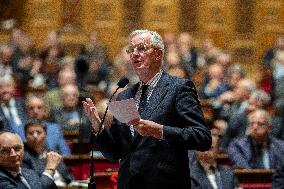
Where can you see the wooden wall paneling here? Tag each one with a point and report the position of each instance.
(108, 23)
(215, 20)
(41, 16)
(244, 46)
(161, 15)
(270, 22)
(188, 16)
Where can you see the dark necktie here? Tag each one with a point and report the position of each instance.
(143, 99)
(22, 182)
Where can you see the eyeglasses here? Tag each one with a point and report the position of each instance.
(259, 124)
(35, 107)
(140, 48)
(7, 149)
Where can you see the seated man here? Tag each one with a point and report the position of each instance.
(36, 109)
(258, 149)
(36, 151)
(11, 173)
(206, 173)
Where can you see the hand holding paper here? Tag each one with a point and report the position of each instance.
(124, 111)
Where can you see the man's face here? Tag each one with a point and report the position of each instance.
(258, 127)
(35, 136)
(70, 97)
(6, 91)
(145, 59)
(35, 108)
(11, 151)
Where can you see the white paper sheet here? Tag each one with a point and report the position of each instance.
(124, 110)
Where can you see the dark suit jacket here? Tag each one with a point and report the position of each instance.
(199, 179)
(161, 163)
(278, 178)
(32, 161)
(60, 116)
(242, 153)
(7, 181)
(20, 106)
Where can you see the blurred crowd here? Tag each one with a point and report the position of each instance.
(48, 85)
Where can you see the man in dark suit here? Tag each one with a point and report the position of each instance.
(258, 149)
(206, 173)
(153, 150)
(55, 140)
(12, 109)
(11, 173)
(35, 156)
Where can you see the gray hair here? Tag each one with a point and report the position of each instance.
(249, 85)
(7, 79)
(237, 68)
(156, 39)
(265, 113)
(261, 95)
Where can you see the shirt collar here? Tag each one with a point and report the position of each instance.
(15, 174)
(152, 82)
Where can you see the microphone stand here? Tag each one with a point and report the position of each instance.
(92, 183)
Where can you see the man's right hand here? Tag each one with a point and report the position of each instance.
(53, 159)
(92, 114)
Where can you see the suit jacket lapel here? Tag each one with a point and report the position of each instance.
(157, 96)
(155, 99)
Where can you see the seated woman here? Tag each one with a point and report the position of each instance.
(36, 150)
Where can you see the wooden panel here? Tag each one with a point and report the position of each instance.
(189, 14)
(215, 20)
(108, 23)
(131, 16)
(269, 22)
(41, 16)
(161, 15)
(71, 15)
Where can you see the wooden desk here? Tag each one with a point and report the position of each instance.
(102, 180)
(80, 165)
(254, 175)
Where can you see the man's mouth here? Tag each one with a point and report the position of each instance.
(137, 61)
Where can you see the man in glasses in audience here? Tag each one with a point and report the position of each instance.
(257, 149)
(153, 150)
(11, 173)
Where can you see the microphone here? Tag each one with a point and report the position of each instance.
(120, 84)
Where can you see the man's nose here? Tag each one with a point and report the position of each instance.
(13, 152)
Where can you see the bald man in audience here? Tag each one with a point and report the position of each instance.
(11, 173)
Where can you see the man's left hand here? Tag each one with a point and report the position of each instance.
(148, 128)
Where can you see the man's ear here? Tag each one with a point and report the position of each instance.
(159, 54)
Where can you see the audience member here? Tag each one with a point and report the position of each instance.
(36, 109)
(238, 122)
(188, 53)
(71, 116)
(12, 108)
(11, 173)
(257, 150)
(216, 84)
(35, 156)
(53, 98)
(206, 173)
(6, 64)
(270, 53)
